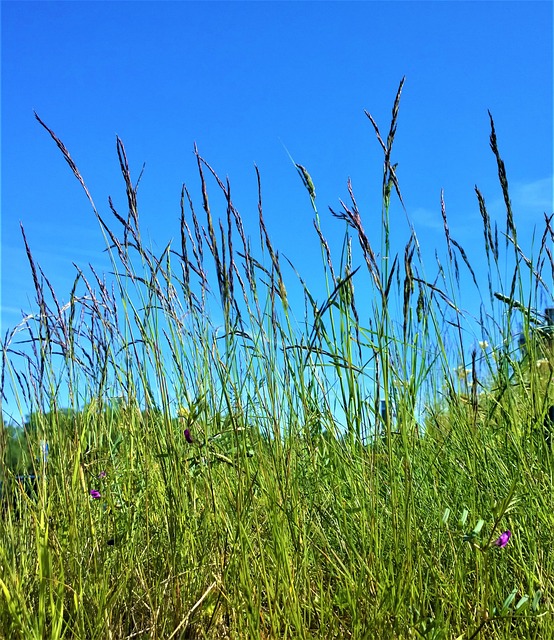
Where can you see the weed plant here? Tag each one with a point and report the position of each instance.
(223, 465)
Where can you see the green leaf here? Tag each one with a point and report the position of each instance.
(508, 602)
(536, 600)
(506, 505)
(524, 600)
(478, 527)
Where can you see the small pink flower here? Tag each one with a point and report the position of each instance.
(502, 540)
(102, 474)
(95, 494)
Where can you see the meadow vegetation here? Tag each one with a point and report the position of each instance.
(223, 464)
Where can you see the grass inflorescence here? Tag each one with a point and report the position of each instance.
(206, 457)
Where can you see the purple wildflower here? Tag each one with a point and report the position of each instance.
(102, 474)
(95, 494)
(188, 437)
(502, 540)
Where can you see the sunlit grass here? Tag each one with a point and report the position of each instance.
(223, 465)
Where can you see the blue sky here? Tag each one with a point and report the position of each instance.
(243, 78)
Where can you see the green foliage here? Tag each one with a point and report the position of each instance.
(229, 468)
(17, 457)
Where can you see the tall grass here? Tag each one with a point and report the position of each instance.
(222, 464)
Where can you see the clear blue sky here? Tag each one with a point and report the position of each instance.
(238, 78)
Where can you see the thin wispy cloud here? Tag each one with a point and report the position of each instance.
(425, 218)
(533, 197)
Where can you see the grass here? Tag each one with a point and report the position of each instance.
(316, 471)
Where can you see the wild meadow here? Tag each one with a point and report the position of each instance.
(205, 457)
